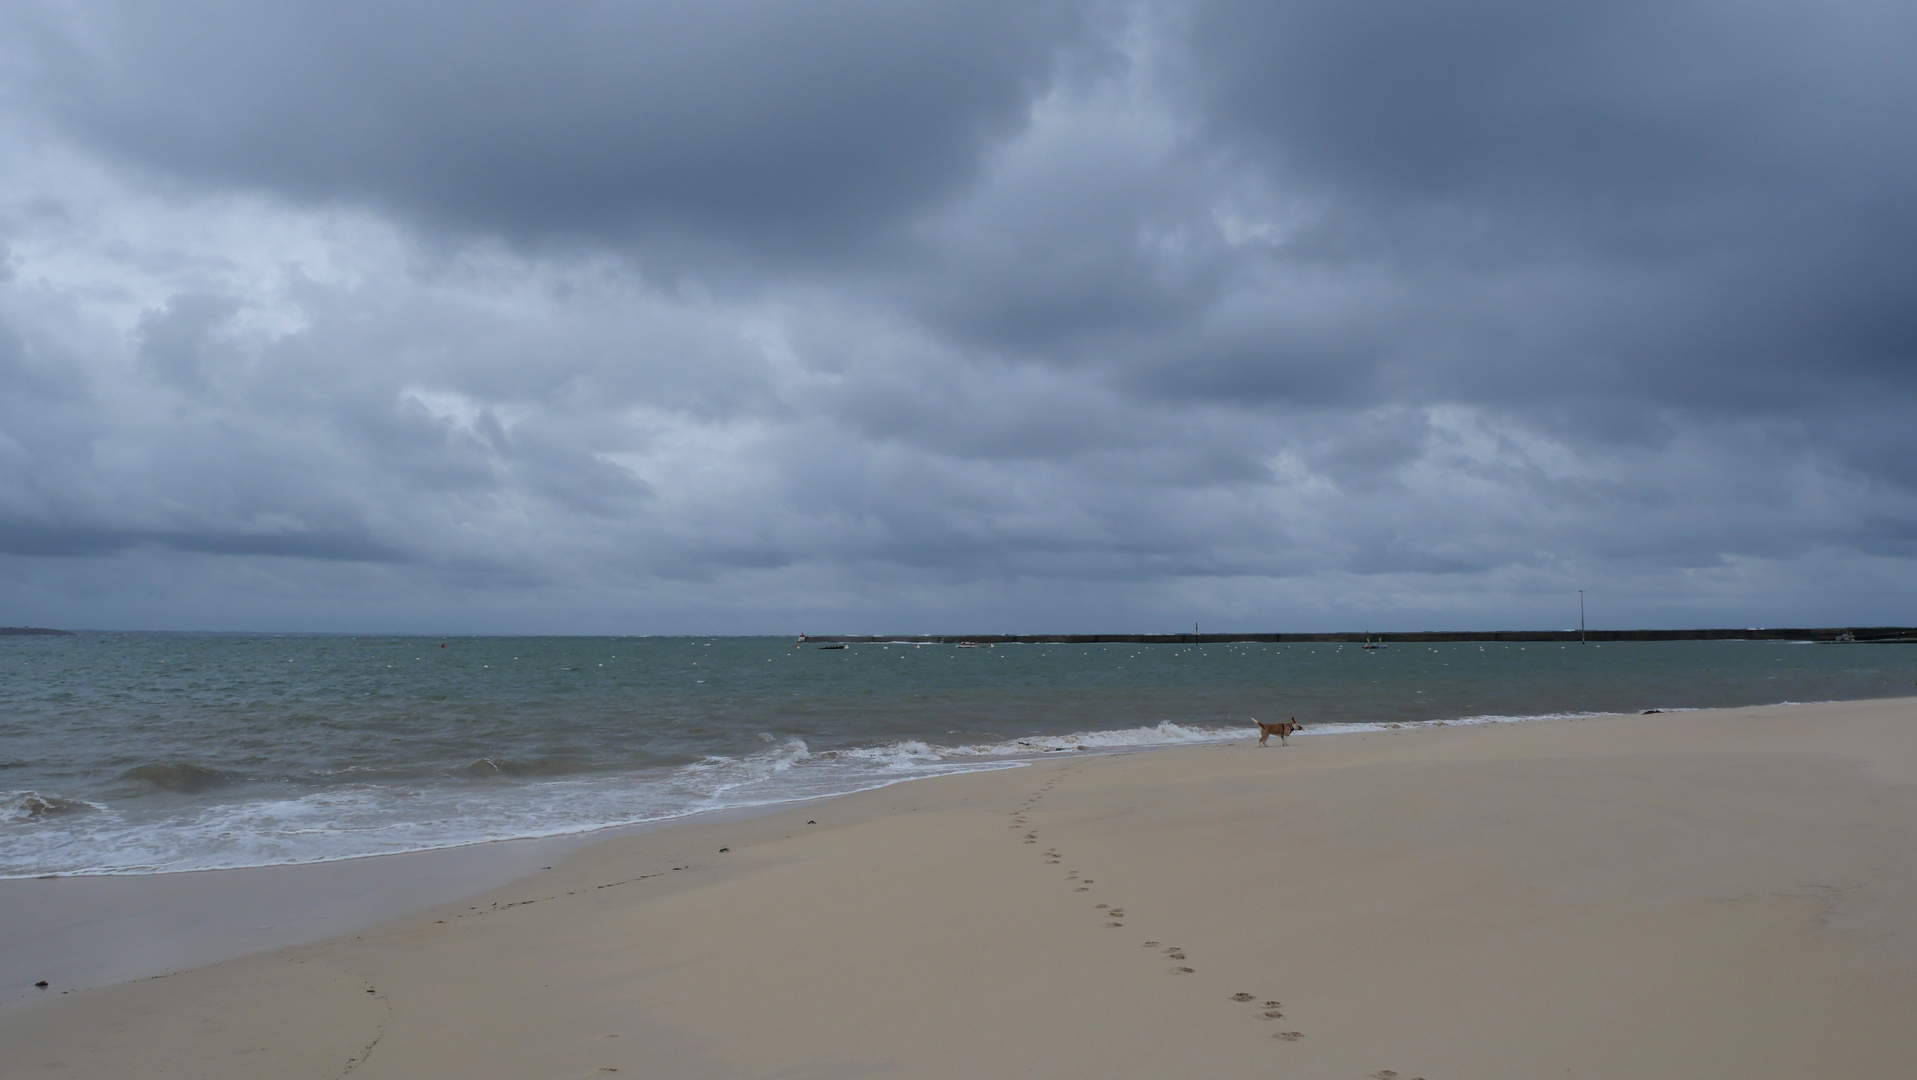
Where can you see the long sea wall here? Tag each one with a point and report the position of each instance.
(1837, 634)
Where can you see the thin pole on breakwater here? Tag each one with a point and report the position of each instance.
(1580, 616)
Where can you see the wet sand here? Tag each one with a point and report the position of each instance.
(81, 932)
(1726, 893)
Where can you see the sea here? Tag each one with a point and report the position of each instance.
(146, 753)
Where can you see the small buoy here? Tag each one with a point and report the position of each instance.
(42, 984)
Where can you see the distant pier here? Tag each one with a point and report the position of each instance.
(1837, 634)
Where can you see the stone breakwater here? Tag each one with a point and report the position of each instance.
(1840, 634)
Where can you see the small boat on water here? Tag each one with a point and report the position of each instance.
(968, 645)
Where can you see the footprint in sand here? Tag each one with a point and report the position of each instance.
(1273, 1004)
(1175, 953)
(1241, 996)
(1083, 888)
(1289, 1036)
(1384, 1074)
(1118, 913)
(1274, 1014)
(1151, 944)
(1114, 924)
(1181, 971)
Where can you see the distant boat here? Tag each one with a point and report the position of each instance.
(968, 644)
(1373, 645)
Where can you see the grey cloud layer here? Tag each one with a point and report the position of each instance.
(710, 315)
(1715, 190)
(747, 122)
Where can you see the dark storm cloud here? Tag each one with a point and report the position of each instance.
(18, 538)
(1590, 103)
(1692, 203)
(1065, 316)
(748, 122)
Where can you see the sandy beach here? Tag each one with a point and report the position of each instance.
(1722, 893)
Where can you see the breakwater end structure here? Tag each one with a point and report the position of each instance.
(1835, 635)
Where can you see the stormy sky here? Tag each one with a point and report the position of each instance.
(733, 316)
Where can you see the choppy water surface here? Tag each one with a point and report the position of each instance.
(140, 753)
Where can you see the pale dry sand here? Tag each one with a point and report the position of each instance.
(1727, 893)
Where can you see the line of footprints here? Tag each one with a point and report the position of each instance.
(1114, 916)
(1269, 1009)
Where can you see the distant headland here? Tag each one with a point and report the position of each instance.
(1848, 634)
(6, 630)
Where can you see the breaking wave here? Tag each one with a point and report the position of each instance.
(29, 806)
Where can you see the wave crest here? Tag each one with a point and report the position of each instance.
(178, 777)
(486, 768)
(27, 806)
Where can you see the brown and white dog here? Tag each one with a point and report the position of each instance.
(1266, 731)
